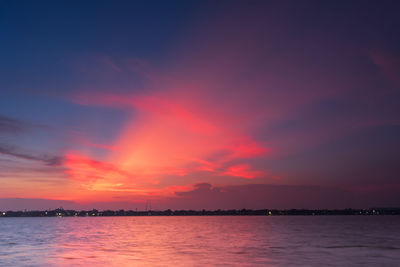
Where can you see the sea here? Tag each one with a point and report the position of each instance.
(201, 241)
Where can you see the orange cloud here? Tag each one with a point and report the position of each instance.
(169, 137)
(243, 171)
(86, 169)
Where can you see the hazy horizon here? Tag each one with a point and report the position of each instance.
(247, 197)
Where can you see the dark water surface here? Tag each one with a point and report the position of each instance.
(201, 241)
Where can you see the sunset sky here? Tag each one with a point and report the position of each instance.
(199, 104)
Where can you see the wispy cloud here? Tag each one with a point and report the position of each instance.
(13, 126)
(17, 153)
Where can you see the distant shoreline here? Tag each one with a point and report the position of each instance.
(243, 212)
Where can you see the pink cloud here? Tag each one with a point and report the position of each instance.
(170, 134)
(243, 171)
(84, 168)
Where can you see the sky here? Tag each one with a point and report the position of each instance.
(199, 104)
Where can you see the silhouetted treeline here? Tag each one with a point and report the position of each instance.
(243, 212)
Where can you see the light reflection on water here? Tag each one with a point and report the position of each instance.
(194, 241)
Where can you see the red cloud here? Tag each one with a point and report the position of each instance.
(86, 169)
(243, 171)
(171, 133)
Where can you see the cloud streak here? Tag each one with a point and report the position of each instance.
(46, 159)
(13, 126)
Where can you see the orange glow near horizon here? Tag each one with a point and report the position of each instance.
(165, 141)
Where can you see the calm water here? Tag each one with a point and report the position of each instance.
(201, 241)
